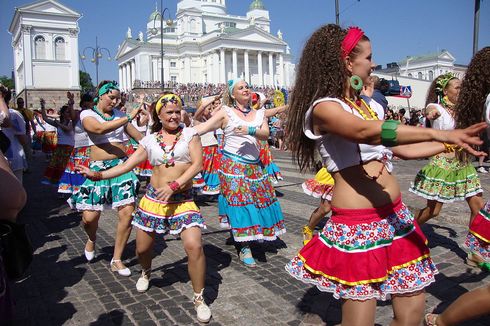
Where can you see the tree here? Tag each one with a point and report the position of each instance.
(7, 82)
(86, 82)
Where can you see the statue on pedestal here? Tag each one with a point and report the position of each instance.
(128, 33)
(279, 34)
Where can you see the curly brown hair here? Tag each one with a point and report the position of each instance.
(321, 73)
(432, 96)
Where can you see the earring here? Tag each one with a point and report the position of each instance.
(356, 82)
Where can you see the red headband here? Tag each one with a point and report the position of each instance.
(350, 41)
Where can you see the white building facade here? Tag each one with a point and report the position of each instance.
(45, 45)
(203, 44)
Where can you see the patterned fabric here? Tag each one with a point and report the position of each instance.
(386, 242)
(478, 238)
(221, 142)
(248, 201)
(172, 216)
(446, 180)
(57, 165)
(118, 191)
(49, 140)
(37, 141)
(321, 186)
(266, 159)
(71, 180)
(144, 169)
(210, 166)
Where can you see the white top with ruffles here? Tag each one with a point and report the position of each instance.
(445, 121)
(116, 136)
(181, 149)
(245, 146)
(339, 153)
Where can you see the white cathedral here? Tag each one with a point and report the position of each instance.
(204, 44)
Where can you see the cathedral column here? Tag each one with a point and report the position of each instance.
(246, 66)
(222, 76)
(209, 71)
(235, 65)
(123, 67)
(28, 51)
(281, 70)
(259, 64)
(133, 75)
(271, 69)
(215, 67)
(187, 69)
(120, 77)
(128, 76)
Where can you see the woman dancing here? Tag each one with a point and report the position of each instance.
(176, 156)
(371, 248)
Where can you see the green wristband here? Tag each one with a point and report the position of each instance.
(129, 117)
(388, 133)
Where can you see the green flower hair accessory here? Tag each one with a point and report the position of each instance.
(442, 82)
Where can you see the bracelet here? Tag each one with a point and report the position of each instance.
(174, 185)
(97, 176)
(451, 148)
(388, 133)
(129, 117)
(252, 131)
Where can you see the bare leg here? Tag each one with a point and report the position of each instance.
(319, 213)
(358, 313)
(90, 220)
(408, 310)
(144, 248)
(123, 232)
(468, 306)
(475, 203)
(431, 210)
(197, 261)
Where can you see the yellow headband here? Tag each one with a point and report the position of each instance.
(171, 97)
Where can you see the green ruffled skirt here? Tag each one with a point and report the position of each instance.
(446, 180)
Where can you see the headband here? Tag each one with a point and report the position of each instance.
(232, 83)
(164, 99)
(350, 40)
(104, 89)
(442, 82)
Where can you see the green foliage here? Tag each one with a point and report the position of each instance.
(86, 82)
(7, 82)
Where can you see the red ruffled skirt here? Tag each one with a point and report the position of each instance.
(478, 238)
(369, 253)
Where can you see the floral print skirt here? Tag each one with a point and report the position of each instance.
(210, 165)
(71, 180)
(478, 238)
(364, 254)
(57, 164)
(266, 159)
(248, 201)
(321, 186)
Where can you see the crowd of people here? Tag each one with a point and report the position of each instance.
(101, 150)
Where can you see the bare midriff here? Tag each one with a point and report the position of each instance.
(162, 175)
(107, 151)
(354, 188)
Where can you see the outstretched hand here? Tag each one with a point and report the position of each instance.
(466, 138)
(85, 171)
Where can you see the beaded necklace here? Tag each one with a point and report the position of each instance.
(102, 115)
(353, 105)
(168, 156)
(247, 110)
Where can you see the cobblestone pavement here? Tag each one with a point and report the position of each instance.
(62, 288)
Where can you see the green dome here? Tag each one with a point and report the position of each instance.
(257, 4)
(153, 15)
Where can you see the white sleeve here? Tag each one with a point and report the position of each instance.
(487, 110)
(145, 142)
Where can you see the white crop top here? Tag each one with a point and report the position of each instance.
(445, 121)
(116, 136)
(181, 149)
(245, 146)
(339, 153)
(81, 137)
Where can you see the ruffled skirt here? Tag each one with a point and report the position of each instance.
(478, 238)
(210, 166)
(321, 186)
(265, 157)
(57, 165)
(71, 180)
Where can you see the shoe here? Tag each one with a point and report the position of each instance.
(246, 257)
(121, 271)
(90, 255)
(144, 281)
(202, 309)
(307, 234)
(482, 169)
(430, 320)
(476, 261)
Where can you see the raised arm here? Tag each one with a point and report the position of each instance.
(133, 132)
(218, 120)
(204, 104)
(47, 119)
(272, 112)
(92, 125)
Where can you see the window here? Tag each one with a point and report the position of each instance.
(173, 64)
(40, 47)
(229, 24)
(173, 79)
(169, 30)
(431, 75)
(410, 74)
(59, 48)
(420, 75)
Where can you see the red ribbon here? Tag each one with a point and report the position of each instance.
(350, 41)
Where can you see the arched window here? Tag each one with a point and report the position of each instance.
(431, 75)
(420, 75)
(40, 47)
(410, 74)
(59, 48)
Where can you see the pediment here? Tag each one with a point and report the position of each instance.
(254, 34)
(49, 7)
(446, 56)
(127, 46)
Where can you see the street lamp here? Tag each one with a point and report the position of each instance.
(96, 56)
(154, 31)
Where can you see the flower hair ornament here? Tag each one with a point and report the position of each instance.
(441, 84)
(164, 99)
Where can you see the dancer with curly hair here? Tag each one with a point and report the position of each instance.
(473, 106)
(371, 248)
(445, 179)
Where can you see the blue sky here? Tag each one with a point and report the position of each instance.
(396, 28)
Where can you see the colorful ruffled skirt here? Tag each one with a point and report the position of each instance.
(478, 238)
(210, 166)
(321, 186)
(57, 164)
(71, 180)
(266, 159)
(144, 169)
(247, 201)
(172, 216)
(49, 141)
(446, 180)
(117, 192)
(363, 254)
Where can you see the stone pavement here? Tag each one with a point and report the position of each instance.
(62, 288)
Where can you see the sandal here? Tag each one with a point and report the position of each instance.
(123, 271)
(246, 257)
(307, 234)
(430, 320)
(471, 261)
(202, 309)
